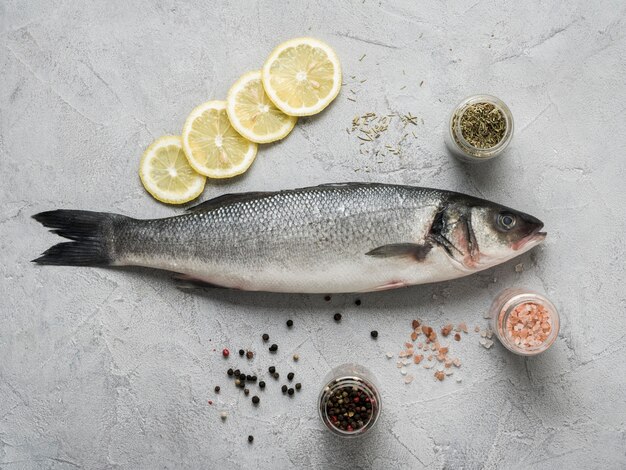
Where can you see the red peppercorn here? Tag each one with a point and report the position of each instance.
(356, 399)
(225, 352)
(350, 428)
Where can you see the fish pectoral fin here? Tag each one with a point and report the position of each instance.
(402, 250)
(187, 282)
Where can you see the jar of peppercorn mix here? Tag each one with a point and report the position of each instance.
(349, 404)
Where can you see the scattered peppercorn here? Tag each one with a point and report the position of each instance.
(289, 323)
(249, 354)
(254, 377)
(265, 337)
(246, 391)
(256, 400)
(337, 317)
(241, 352)
(457, 337)
(250, 438)
(262, 384)
(296, 357)
(327, 298)
(225, 352)
(298, 386)
(275, 375)
(272, 369)
(374, 334)
(230, 372)
(290, 391)
(357, 302)
(273, 348)
(217, 389)
(223, 415)
(237, 373)
(290, 376)
(237, 382)
(284, 388)
(249, 378)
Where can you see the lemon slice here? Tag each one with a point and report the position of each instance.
(213, 147)
(253, 114)
(166, 173)
(302, 76)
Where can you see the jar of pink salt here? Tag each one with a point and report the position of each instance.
(524, 321)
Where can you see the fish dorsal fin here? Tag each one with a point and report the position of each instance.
(226, 199)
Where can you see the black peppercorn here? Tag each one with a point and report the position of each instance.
(290, 376)
(284, 388)
(241, 352)
(337, 317)
(262, 384)
(265, 337)
(246, 391)
(273, 348)
(298, 386)
(289, 323)
(374, 334)
(272, 369)
(237, 373)
(230, 372)
(254, 377)
(275, 375)
(250, 438)
(217, 389)
(357, 302)
(290, 391)
(255, 400)
(327, 298)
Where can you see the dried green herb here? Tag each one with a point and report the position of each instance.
(483, 125)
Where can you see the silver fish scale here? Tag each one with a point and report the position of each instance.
(305, 230)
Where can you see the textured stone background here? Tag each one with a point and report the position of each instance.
(113, 369)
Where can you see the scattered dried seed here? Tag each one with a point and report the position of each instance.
(445, 331)
(439, 375)
(418, 358)
(408, 379)
(389, 355)
(457, 337)
(415, 324)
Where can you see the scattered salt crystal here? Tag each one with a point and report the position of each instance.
(489, 333)
(487, 314)
(403, 371)
(406, 362)
(389, 355)
(463, 327)
(458, 380)
(428, 366)
(483, 334)
(519, 267)
(482, 341)
(223, 415)
(399, 364)
(488, 343)
(456, 362)
(408, 379)
(477, 328)
(449, 372)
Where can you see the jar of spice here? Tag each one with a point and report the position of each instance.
(524, 321)
(349, 403)
(480, 128)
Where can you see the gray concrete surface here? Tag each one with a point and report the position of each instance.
(113, 369)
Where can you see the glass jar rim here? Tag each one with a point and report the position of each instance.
(526, 298)
(478, 152)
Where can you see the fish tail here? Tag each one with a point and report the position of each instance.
(91, 234)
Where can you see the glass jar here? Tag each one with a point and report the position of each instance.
(460, 147)
(509, 312)
(349, 403)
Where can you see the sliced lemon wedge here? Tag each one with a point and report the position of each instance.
(166, 173)
(213, 147)
(302, 76)
(253, 114)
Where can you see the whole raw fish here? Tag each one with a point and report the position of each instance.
(350, 237)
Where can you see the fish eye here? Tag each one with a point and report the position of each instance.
(506, 221)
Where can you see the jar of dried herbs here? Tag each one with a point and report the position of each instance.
(480, 128)
(349, 403)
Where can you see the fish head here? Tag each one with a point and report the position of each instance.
(479, 234)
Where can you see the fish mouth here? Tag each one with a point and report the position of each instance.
(531, 240)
